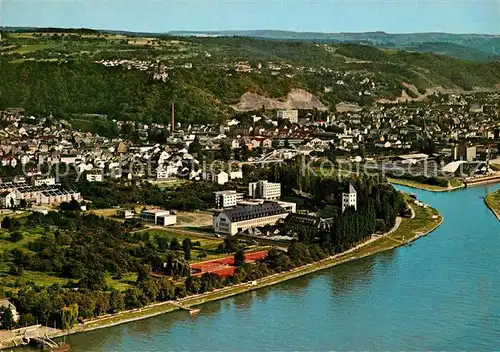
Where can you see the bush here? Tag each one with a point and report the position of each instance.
(27, 320)
(16, 236)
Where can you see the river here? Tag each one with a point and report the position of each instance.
(441, 293)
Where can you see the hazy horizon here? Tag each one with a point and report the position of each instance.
(326, 16)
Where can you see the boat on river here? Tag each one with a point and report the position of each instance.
(194, 311)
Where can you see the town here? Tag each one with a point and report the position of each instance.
(116, 209)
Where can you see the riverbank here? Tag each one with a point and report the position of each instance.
(425, 221)
(431, 188)
(492, 201)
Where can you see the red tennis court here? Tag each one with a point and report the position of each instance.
(224, 266)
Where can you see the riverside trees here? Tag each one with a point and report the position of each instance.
(87, 249)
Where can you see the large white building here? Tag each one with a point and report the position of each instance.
(43, 194)
(264, 190)
(158, 217)
(240, 218)
(290, 115)
(349, 199)
(227, 199)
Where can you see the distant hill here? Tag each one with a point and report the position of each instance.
(462, 46)
(454, 50)
(211, 76)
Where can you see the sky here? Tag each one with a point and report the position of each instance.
(392, 16)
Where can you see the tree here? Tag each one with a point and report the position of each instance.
(7, 318)
(93, 280)
(16, 236)
(69, 316)
(239, 258)
(134, 298)
(195, 146)
(10, 223)
(116, 301)
(175, 245)
(230, 244)
(16, 270)
(245, 152)
(225, 152)
(186, 247)
(143, 273)
(193, 284)
(161, 242)
(27, 320)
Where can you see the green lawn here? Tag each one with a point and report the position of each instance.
(26, 48)
(127, 281)
(453, 184)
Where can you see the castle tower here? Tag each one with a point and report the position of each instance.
(349, 199)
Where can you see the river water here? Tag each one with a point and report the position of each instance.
(441, 293)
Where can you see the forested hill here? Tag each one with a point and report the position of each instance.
(462, 46)
(63, 73)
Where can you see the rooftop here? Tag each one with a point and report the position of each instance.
(253, 211)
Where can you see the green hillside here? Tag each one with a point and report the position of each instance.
(57, 72)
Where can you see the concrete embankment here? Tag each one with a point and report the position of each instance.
(482, 180)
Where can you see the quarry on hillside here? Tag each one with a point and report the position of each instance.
(296, 99)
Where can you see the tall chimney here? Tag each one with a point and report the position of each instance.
(172, 128)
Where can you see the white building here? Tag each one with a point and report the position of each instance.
(95, 177)
(235, 174)
(158, 217)
(49, 181)
(220, 177)
(264, 190)
(56, 196)
(70, 159)
(349, 199)
(5, 303)
(227, 199)
(125, 213)
(232, 221)
(7, 199)
(290, 115)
